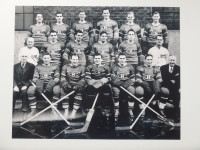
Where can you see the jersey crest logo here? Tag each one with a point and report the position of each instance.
(121, 76)
(38, 32)
(147, 77)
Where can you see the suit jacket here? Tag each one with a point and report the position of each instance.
(22, 76)
(167, 76)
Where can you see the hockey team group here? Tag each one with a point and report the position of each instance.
(116, 62)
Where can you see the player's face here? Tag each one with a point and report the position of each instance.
(39, 18)
(97, 60)
(106, 14)
(149, 61)
(131, 35)
(74, 60)
(59, 17)
(79, 36)
(122, 59)
(156, 17)
(159, 41)
(82, 15)
(24, 57)
(130, 17)
(103, 37)
(53, 36)
(172, 60)
(46, 59)
(30, 43)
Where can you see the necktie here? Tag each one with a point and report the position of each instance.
(23, 65)
(171, 69)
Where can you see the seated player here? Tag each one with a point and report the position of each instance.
(123, 31)
(148, 78)
(98, 79)
(123, 75)
(54, 47)
(171, 85)
(23, 73)
(39, 31)
(151, 31)
(46, 79)
(78, 47)
(159, 53)
(61, 28)
(132, 50)
(33, 53)
(72, 78)
(104, 48)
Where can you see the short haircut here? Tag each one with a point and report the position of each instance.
(82, 11)
(156, 13)
(121, 54)
(45, 53)
(39, 13)
(172, 56)
(147, 55)
(159, 35)
(103, 32)
(105, 9)
(59, 12)
(73, 54)
(78, 31)
(130, 13)
(97, 54)
(131, 30)
(52, 31)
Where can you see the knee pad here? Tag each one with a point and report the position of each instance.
(31, 91)
(165, 92)
(139, 91)
(77, 99)
(56, 91)
(131, 89)
(116, 92)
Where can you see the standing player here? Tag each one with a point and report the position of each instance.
(23, 73)
(78, 47)
(98, 79)
(171, 85)
(104, 48)
(148, 78)
(39, 31)
(46, 78)
(85, 27)
(159, 53)
(54, 48)
(132, 50)
(110, 26)
(72, 78)
(123, 75)
(61, 28)
(152, 30)
(123, 31)
(33, 53)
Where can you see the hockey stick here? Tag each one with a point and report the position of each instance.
(130, 127)
(68, 123)
(31, 118)
(163, 119)
(33, 133)
(87, 121)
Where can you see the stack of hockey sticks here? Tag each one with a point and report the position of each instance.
(87, 121)
(52, 105)
(146, 106)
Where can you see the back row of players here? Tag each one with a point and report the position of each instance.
(101, 67)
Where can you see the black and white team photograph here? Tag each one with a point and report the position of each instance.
(94, 72)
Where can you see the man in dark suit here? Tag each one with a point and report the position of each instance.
(171, 83)
(23, 72)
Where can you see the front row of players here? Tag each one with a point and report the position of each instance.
(96, 78)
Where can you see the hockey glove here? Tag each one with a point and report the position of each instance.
(97, 84)
(77, 88)
(104, 80)
(66, 86)
(39, 85)
(50, 85)
(117, 82)
(128, 83)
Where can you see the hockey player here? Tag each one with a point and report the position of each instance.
(148, 78)
(85, 27)
(132, 50)
(105, 49)
(54, 48)
(152, 30)
(72, 78)
(33, 53)
(23, 73)
(61, 28)
(110, 26)
(123, 31)
(39, 31)
(123, 75)
(159, 53)
(78, 47)
(46, 78)
(171, 85)
(98, 79)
